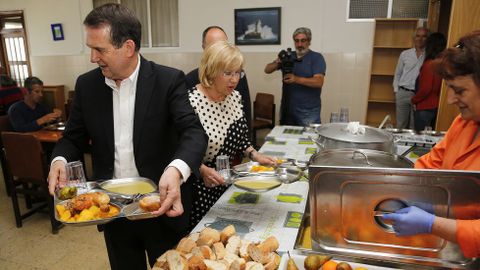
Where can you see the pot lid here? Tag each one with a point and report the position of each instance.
(359, 158)
(339, 132)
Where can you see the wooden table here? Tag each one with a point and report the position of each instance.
(47, 136)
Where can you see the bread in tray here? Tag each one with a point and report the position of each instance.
(150, 203)
(214, 250)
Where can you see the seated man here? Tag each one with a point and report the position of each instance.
(28, 114)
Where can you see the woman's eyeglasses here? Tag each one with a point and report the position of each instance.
(230, 74)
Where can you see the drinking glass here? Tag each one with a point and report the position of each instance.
(223, 167)
(344, 115)
(334, 117)
(76, 176)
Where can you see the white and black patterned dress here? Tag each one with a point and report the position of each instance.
(226, 127)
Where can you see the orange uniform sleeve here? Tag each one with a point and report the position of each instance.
(434, 158)
(468, 237)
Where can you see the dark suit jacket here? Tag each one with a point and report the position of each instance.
(192, 79)
(165, 125)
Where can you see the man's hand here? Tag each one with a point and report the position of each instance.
(289, 78)
(211, 177)
(57, 113)
(49, 117)
(170, 197)
(56, 176)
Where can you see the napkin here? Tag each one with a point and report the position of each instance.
(355, 128)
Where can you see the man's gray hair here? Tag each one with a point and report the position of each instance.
(303, 30)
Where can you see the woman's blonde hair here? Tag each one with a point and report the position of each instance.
(218, 57)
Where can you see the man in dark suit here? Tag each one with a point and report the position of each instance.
(138, 120)
(211, 35)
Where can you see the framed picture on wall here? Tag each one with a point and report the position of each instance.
(57, 31)
(257, 26)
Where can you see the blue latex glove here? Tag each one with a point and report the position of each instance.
(410, 221)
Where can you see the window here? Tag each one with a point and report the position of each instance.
(370, 9)
(159, 19)
(14, 60)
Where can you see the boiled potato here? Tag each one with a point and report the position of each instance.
(85, 215)
(65, 216)
(60, 209)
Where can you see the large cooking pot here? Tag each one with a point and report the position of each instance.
(336, 135)
(358, 158)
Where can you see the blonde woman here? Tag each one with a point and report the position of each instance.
(219, 107)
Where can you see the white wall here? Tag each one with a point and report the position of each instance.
(345, 46)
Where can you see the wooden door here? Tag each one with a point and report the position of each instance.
(464, 18)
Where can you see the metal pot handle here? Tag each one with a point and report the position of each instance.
(321, 146)
(363, 154)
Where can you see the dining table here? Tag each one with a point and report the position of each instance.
(47, 136)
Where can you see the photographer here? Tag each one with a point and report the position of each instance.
(302, 84)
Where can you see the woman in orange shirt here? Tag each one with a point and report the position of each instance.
(459, 150)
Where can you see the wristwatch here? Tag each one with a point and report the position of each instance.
(250, 154)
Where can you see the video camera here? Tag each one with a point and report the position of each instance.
(288, 60)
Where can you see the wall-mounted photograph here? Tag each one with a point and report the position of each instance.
(57, 31)
(257, 26)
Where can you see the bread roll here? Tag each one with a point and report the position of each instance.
(226, 233)
(208, 236)
(219, 250)
(186, 245)
(274, 261)
(175, 261)
(214, 265)
(150, 203)
(254, 266)
(196, 263)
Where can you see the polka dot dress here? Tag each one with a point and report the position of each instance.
(227, 130)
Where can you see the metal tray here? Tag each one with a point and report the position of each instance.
(434, 133)
(401, 131)
(258, 179)
(245, 169)
(90, 222)
(57, 126)
(127, 203)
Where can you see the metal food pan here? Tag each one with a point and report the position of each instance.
(246, 169)
(90, 222)
(259, 183)
(122, 182)
(344, 200)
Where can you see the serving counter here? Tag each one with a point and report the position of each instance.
(281, 212)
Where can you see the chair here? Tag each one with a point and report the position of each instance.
(4, 126)
(263, 114)
(27, 164)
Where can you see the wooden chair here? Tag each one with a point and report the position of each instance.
(27, 164)
(263, 114)
(4, 126)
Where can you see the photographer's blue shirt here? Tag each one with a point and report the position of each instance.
(303, 101)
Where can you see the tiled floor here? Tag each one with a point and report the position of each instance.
(34, 246)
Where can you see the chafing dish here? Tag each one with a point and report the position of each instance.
(336, 135)
(344, 203)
